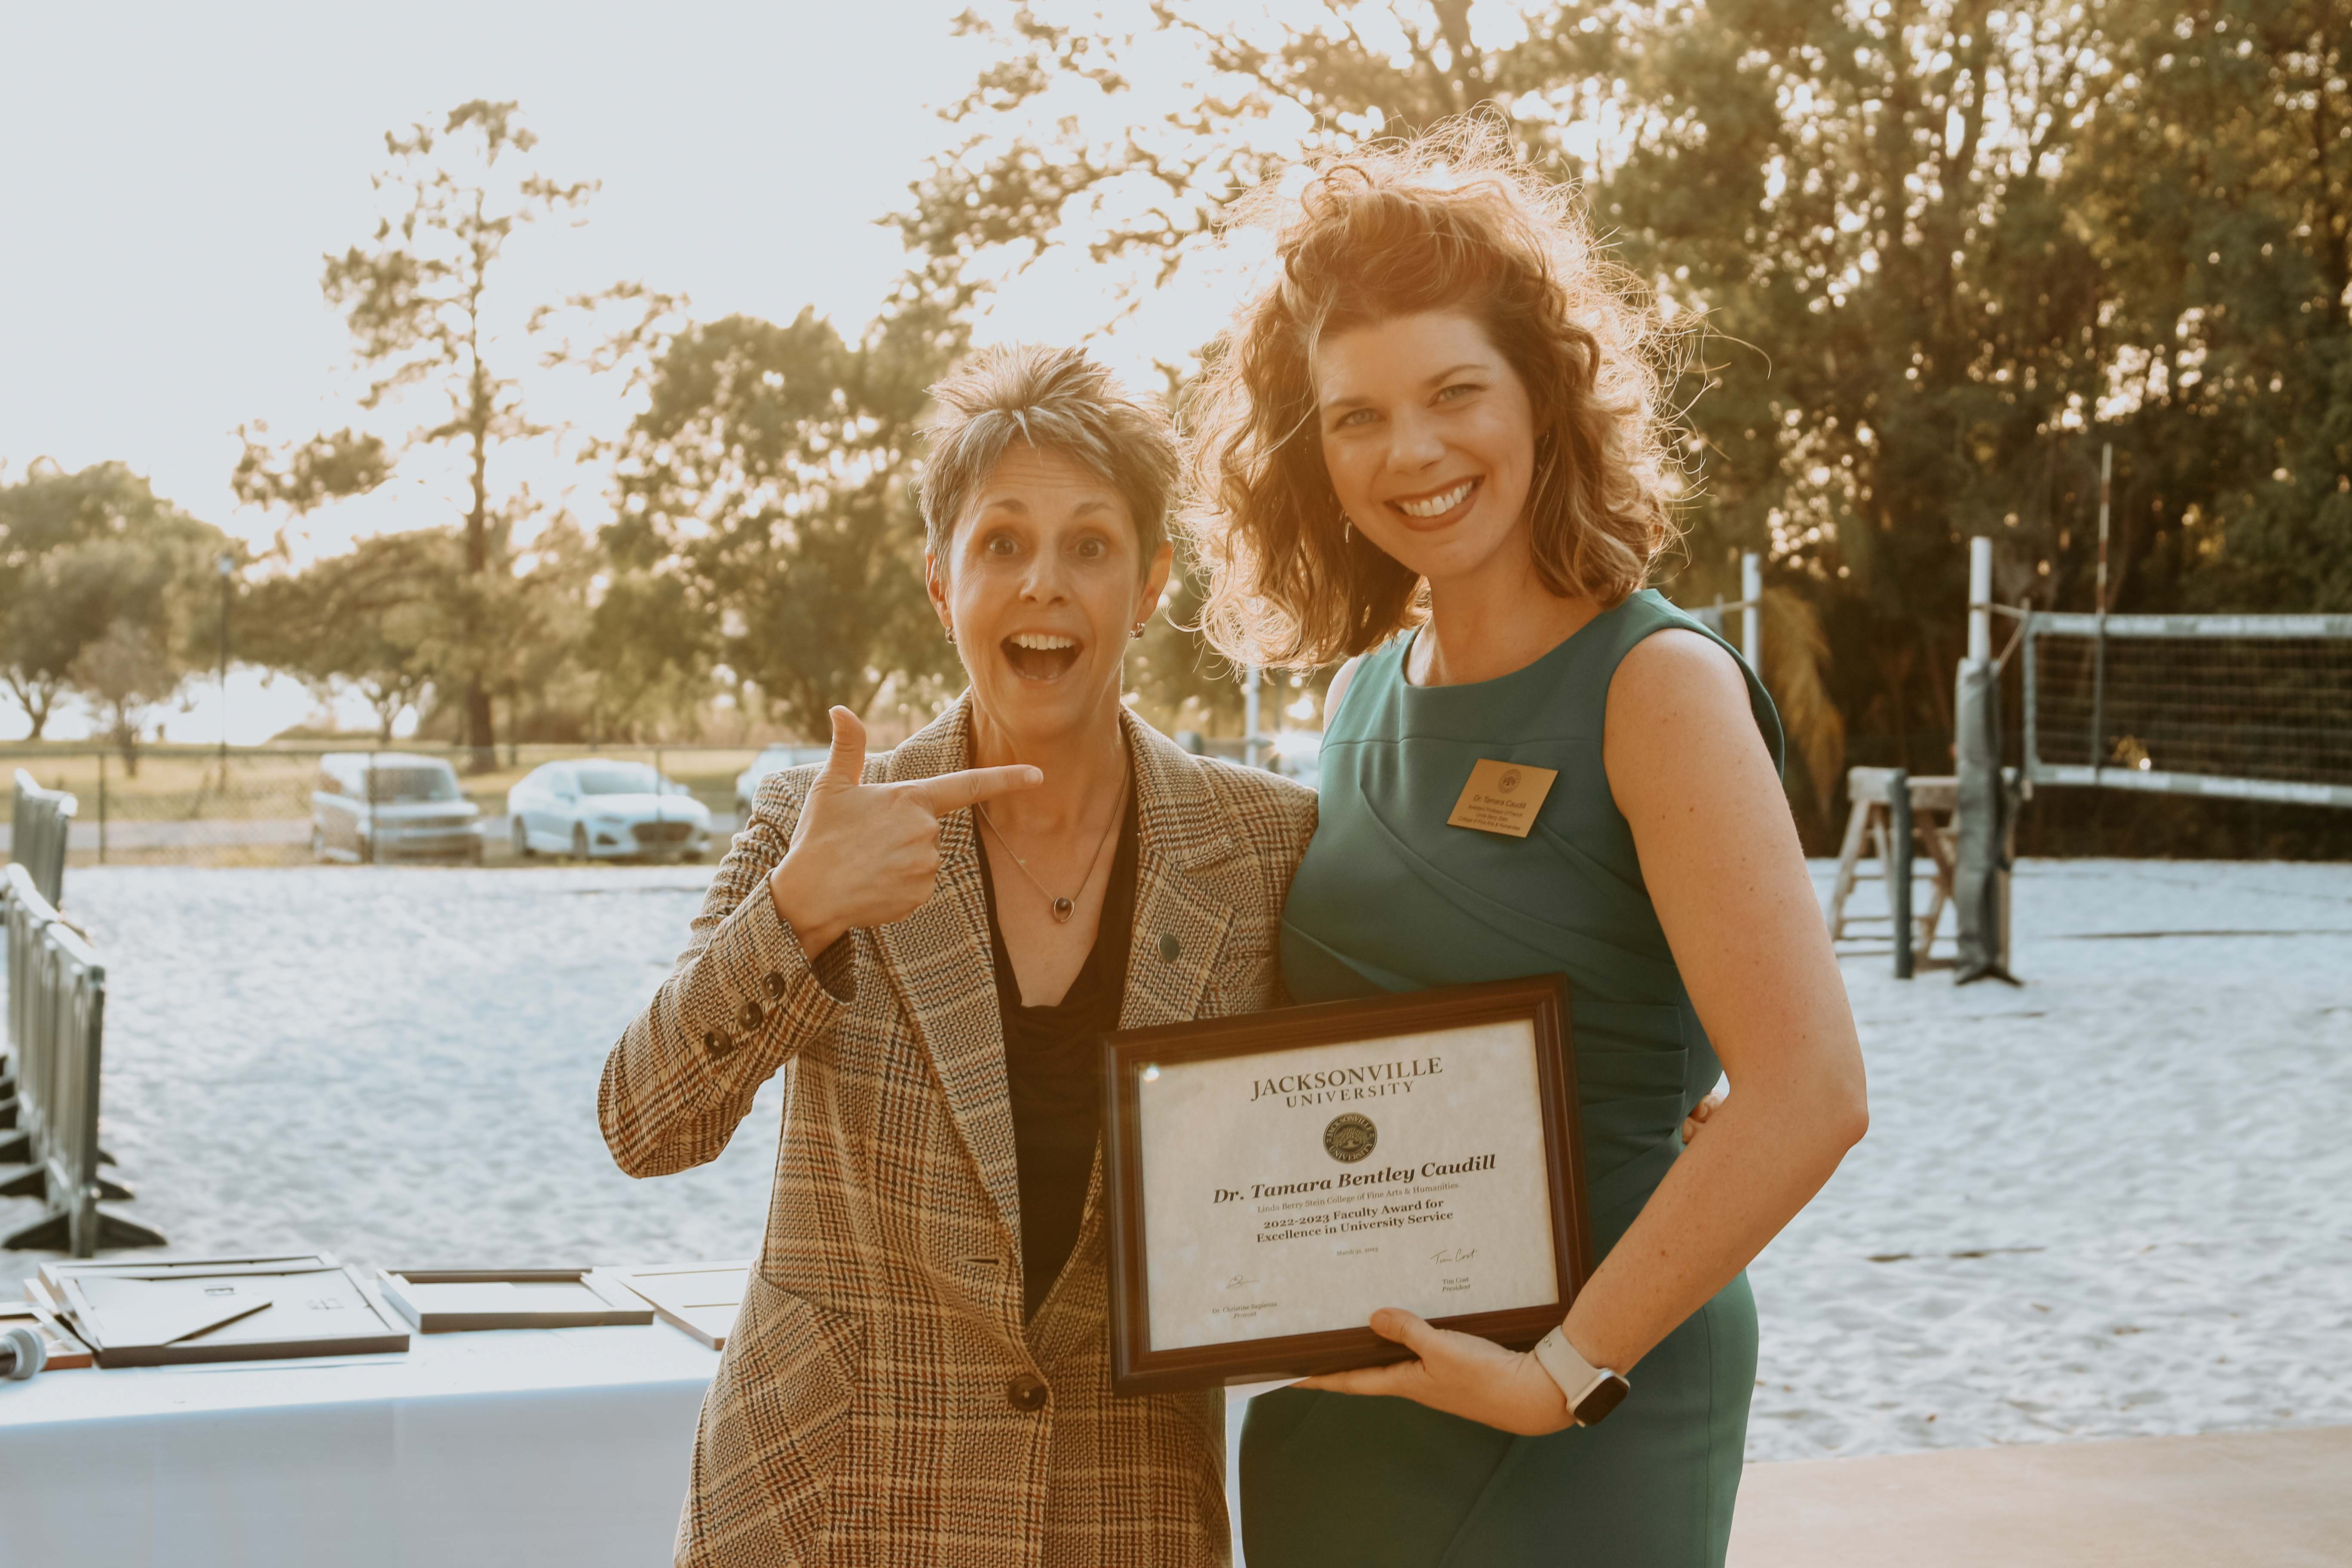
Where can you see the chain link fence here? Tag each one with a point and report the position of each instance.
(280, 805)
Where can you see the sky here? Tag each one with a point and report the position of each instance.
(171, 176)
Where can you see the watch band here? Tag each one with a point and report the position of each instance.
(1579, 1380)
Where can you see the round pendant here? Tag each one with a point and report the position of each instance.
(1062, 909)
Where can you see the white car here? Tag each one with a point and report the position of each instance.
(595, 809)
(773, 760)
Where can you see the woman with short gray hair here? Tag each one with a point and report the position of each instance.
(929, 942)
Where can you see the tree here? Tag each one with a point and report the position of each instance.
(649, 652)
(416, 297)
(128, 671)
(107, 589)
(368, 618)
(766, 491)
(2216, 191)
(1928, 257)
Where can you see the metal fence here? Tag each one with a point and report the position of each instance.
(57, 1029)
(259, 805)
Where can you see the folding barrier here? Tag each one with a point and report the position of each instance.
(43, 818)
(56, 1022)
(37, 840)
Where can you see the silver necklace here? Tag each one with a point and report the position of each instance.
(1063, 908)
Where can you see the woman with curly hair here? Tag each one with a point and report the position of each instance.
(1431, 446)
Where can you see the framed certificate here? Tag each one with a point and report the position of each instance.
(446, 1300)
(229, 1309)
(1273, 1178)
(697, 1299)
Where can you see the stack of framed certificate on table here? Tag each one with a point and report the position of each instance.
(451, 1300)
(697, 1299)
(211, 1310)
(65, 1351)
(1276, 1178)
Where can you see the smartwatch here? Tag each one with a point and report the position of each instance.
(1591, 1392)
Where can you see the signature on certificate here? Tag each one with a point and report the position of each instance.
(1237, 1283)
(1454, 1255)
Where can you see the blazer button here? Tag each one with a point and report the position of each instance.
(716, 1044)
(775, 985)
(1170, 950)
(752, 1016)
(1026, 1392)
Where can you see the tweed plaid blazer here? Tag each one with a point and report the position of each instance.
(880, 1400)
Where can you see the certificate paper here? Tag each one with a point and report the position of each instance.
(1307, 1187)
(1276, 1179)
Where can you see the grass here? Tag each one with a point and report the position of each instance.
(187, 783)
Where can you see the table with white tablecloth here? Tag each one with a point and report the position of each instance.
(557, 1445)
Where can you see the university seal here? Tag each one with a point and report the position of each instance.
(1350, 1138)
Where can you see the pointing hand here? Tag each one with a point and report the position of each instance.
(866, 854)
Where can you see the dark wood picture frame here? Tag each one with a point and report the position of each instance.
(1540, 1000)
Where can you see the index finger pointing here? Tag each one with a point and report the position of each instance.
(952, 792)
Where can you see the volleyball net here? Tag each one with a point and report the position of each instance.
(2238, 707)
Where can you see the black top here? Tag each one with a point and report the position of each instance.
(1054, 1068)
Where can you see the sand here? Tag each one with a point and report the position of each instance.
(398, 1065)
(2115, 1203)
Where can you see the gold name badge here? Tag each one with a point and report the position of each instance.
(1502, 797)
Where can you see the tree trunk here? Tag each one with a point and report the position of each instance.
(478, 735)
(126, 740)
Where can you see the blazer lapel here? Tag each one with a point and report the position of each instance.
(1181, 915)
(940, 961)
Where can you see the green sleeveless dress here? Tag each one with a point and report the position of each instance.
(1390, 899)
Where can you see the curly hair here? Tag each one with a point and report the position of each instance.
(1449, 221)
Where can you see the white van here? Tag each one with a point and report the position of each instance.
(370, 807)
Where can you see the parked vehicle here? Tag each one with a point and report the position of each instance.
(773, 760)
(597, 809)
(373, 806)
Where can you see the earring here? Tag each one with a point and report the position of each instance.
(1134, 633)
(950, 630)
(1347, 528)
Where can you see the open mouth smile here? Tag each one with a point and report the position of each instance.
(1437, 508)
(1040, 656)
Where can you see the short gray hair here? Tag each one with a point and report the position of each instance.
(1055, 400)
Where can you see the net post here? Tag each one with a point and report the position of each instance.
(2027, 764)
(1979, 599)
(1751, 620)
(2099, 636)
(1982, 811)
